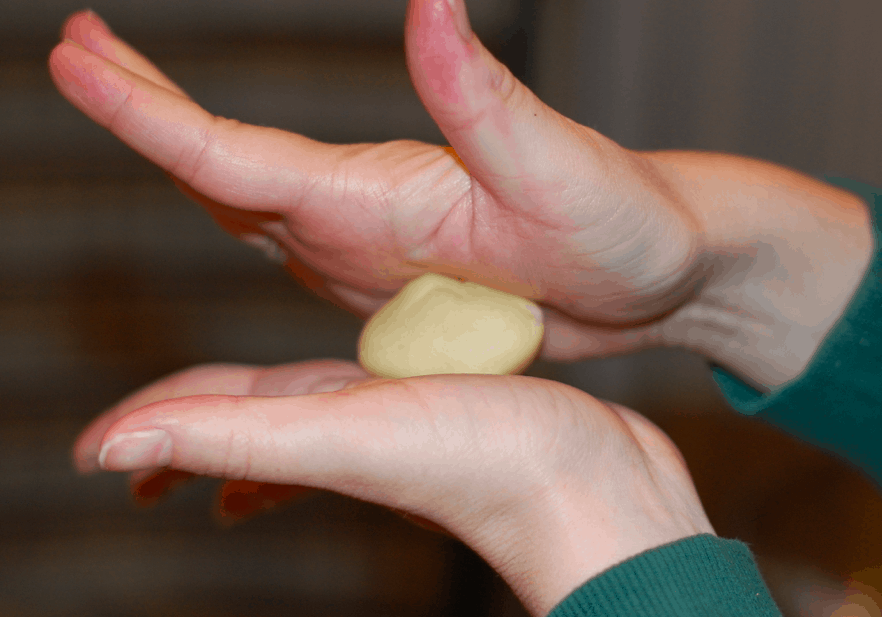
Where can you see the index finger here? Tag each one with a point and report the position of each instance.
(87, 29)
(238, 164)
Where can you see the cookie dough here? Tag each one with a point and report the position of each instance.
(437, 325)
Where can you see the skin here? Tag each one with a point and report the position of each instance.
(549, 485)
(746, 262)
(623, 249)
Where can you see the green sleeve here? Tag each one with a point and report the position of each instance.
(836, 403)
(695, 577)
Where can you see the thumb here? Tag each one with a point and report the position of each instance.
(280, 439)
(376, 441)
(502, 132)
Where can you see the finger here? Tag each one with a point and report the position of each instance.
(424, 523)
(88, 30)
(251, 227)
(149, 487)
(469, 453)
(91, 32)
(240, 500)
(223, 379)
(234, 221)
(241, 165)
(369, 441)
(581, 201)
(567, 339)
(213, 379)
(503, 133)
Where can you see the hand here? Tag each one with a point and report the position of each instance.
(550, 486)
(743, 261)
(540, 211)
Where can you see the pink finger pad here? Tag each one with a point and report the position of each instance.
(441, 53)
(88, 30)
(90, 83)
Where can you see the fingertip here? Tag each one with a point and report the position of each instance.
(70, 27)
(84, 453)
(63, 51)
(81, 25)
(436, 51)
(65, 60)
(490, 117)
(93, 18)
(150, 486)
(83, 463)
(93, 84)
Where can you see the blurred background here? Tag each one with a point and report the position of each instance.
(110, 279)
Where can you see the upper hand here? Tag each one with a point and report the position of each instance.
(550, 486)
(534, 203)
(744, 261)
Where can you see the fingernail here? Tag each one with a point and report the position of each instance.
(461, 19)
(267, 246)
(537, 313)
(137, 450)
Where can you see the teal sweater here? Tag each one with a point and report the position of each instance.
(836, 403)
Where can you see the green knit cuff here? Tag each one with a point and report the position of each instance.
(694, 577)
(837, 401)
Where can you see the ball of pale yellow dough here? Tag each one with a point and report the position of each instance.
(437, 325)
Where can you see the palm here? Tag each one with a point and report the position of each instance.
(369, 211)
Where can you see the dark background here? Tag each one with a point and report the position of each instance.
(110, 279)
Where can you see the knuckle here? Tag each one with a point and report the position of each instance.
(116, 114)
(222, 443)
(502, 82)
(202, 153)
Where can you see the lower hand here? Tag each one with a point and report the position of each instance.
(549, 485)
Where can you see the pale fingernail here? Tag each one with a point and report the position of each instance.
(137, 450)
(358, 300)
(537, 313)
(267, 246)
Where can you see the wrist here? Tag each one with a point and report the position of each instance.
(567, 566)
(782, 256)
(585, 523)
(564, 552)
